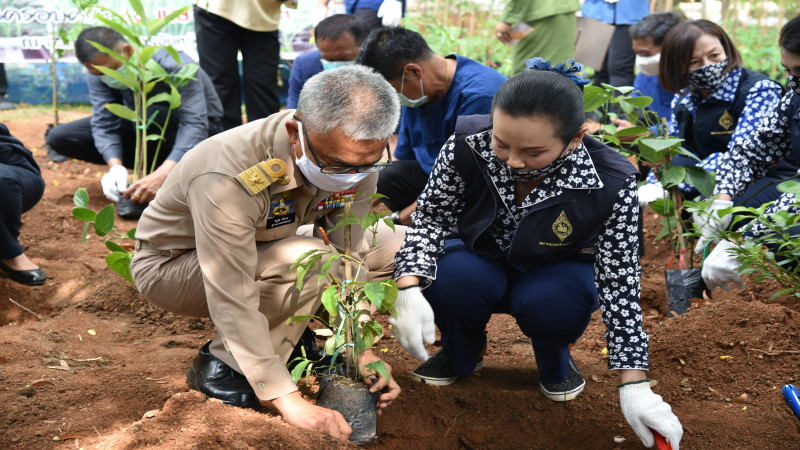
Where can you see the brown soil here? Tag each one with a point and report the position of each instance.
(123, 386)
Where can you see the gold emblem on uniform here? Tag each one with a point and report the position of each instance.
(260, 176)
(561, 227)
(726, 120)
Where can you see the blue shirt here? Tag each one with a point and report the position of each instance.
(423, 131)
(623, 12)
(761, 100)
(305, 66)
(662, 99)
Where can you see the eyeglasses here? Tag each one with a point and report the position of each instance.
(333, 169)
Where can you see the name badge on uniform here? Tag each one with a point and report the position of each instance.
(281, 212)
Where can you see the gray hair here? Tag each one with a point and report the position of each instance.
(355, 99)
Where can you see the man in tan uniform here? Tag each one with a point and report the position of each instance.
(221, 235)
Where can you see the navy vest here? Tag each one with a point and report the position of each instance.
(558, 228)
(712, 127)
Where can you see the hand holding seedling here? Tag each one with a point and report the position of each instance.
(296, 411)
(389, 389)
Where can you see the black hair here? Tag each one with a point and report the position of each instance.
(387, 50)
(655, 26)
(538, 93)
(334, 26)
(790, 36)
(105, 36)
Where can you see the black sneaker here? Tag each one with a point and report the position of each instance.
(437, 370)
(212, 377)
(53, 155)
(567, 389)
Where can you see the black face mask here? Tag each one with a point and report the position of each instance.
(794, 83)
(708, 77)
(541, 172)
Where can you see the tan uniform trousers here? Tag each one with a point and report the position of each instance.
(173, 281)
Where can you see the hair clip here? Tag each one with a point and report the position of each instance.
(570, 69)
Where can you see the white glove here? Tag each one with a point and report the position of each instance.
(318, 14)
(721, 267)
(649, 193)
(414, 322)
(645, 410)
(114, 182)
(391, 11)
(709, 223)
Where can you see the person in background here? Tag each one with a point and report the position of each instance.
(21, 187)
(617, 69)
(105, 138)
(5, 104)
(716, 103)
(220, 238)
(647, 36)
(225, 27)
(434, 92)
(552, 34)
(546, 222)
(338, 39)
(377, 13)
(774, 139)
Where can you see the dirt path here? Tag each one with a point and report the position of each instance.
(124, 385)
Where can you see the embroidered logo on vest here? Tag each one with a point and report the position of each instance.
(726, 120)
(561, 227)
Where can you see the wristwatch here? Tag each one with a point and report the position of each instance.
(395, 217)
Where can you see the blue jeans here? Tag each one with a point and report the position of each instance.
(552, 304)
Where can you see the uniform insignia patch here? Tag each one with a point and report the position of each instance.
(561, 227)
(260, 176)
(726, 120)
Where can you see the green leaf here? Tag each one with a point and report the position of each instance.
(639, 102)
(174, 98)
(122, 111)
(621, 89)
(146, 54)
(380, 368)
(299, 318)
(302, 257)
(327, 266)
(673, 176)
(120, 263)
(330, 300)
(136, 5)
(298, 369)
(174, 53)
(114, 247)
(166, 20)
(81, 198)
(84, 214)
(162, 97)
(104, 221)
(662, 207)
(131, 234)
(684, 152)
(790, 186)
(374, 292)
(632, 131)
(594, 97)
(701, 179)
(660, 144)
(131, 37)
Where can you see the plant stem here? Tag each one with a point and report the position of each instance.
(351, 355)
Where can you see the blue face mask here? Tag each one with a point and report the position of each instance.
(112, 82)
(330, 65)
(405, 101)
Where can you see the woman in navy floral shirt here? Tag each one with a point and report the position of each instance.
(545, 223)
(716, 103)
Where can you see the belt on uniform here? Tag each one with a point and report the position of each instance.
(141, 245)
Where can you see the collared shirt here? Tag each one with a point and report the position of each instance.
(255, 15)
(761, 99)
(752, 154)
(617, 268)
(622, 12)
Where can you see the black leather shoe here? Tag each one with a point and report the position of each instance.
(216, 379)
(33, 277)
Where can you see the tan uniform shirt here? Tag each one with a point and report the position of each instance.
(202, 206)
(256, 15)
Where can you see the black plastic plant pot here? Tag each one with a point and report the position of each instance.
(127, 209)
(681, 286)
(354, 401)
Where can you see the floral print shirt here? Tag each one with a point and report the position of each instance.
(761, 99)
(617, 270)
(751, 155)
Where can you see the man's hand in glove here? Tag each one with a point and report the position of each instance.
(645, 410)
(414, 322)
(390, 12)
(721, 267)
(115, 182)
(710, 223)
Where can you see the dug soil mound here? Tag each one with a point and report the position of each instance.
(102, 368)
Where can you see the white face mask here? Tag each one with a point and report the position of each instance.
(331, 182)
(648, 65)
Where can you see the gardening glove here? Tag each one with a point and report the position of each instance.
(391, 11)
(649, 193)
(414, 322)
(318, 14)
(721, 267)
(114, 182)
(709, 223)
(645, 410)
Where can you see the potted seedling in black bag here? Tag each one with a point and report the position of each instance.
(345, 315)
